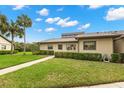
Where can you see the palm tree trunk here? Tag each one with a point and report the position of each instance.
(12, 44)
(24, 41)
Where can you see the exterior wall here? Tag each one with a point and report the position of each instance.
(119, 45)
(103, 45)
(55, 47)
(6, 43)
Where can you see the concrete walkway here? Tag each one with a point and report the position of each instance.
(17, 67)
(110, 85)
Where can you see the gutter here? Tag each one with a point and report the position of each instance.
(59, 42)
(118, 38)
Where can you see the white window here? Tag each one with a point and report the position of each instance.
(3, 47)
(71, 46)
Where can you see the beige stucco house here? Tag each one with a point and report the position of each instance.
(5, 44)
(98, 42)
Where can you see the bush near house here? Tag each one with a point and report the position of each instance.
(44, 52)
(80, 56)
(122, 57)
(117, 57)
(4, 52)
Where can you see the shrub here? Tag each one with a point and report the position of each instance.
(81, 56)
(4, 52)
(122, 57)
(115, 57)
(75, 55)
(15, 51)
(44, 52)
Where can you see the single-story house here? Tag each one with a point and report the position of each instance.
(5, 44)
(105, 43)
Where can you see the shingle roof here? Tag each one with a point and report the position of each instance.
(85, 35)
(101, 34)
(59, 40)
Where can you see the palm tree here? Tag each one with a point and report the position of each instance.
(24, 21)
(3, 24)
(14, 31)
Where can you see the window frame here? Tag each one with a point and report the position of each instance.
(50, 48)
(61, 47)
(71, 49)
(3, 47)
(84, 48)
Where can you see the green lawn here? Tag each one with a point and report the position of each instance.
(28, 53)
(11, 60)
(60, 72)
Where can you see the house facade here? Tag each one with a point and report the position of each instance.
(105, 43)
(5, 44)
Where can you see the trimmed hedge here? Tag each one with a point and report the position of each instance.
(117, 58)
(4, 52)
(15, 51)
(44, 52)
(80, 56)
(122, 57)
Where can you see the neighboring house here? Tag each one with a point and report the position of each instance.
(98, 42)
(5, 44)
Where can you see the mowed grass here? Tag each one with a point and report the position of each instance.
(11, 60)
(21, 53)
(60, 72)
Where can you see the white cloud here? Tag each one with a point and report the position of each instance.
(84, 26)
(60, 9)
(38, 19)
(18, 7)
(43, 12)
(62, 22)
(39, 30)
(66, 23)
(95, 6)
(115, 14)
(52, 20)
(50, 29)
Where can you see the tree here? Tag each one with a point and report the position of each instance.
(24, 21)
(30, 47)
(14, 31)
(3, 24)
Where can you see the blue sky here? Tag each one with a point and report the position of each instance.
(51, 21)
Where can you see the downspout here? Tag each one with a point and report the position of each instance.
(78, 45)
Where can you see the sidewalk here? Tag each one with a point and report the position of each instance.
(110, 85)
(17, 67)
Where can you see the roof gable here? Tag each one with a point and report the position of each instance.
(5, 38)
